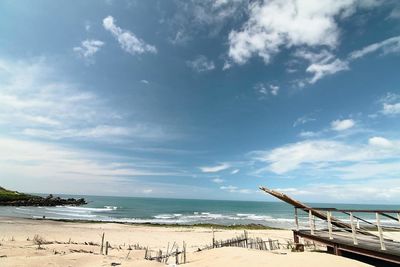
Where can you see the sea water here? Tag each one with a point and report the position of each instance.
(181, 211)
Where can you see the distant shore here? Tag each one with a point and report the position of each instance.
(32, 242)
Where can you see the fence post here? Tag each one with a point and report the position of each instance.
(296, 219)
(311, 221)
(378, 223)
(329, 214)
(102, 243)
(353, 229)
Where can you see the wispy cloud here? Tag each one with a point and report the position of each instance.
(201, 64)
(235, 171)
(35, 102)
(382, 190)
(193, 17)
(217, 180)
(303, 120)
(341, 125)
(216, 168)
(33, 164)
(128, 41)
(235, 189)
(265, 90)
(391, 45)
(390, 105)
(314, 154)
(88, 49)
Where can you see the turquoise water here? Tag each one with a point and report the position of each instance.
(178, 211)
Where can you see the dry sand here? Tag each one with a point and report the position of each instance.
(18, 249)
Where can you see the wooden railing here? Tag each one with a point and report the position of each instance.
(358, 226)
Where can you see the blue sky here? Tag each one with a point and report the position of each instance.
(202, 99)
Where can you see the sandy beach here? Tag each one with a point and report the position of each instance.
(77, 244)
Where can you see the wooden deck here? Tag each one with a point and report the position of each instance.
(367, 246)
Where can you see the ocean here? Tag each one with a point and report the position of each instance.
(181, 211)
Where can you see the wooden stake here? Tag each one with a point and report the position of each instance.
(102, 243)
(213, 239)
(184, 252)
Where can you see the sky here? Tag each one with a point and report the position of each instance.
(203, 99)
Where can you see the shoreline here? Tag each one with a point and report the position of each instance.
(174, 225)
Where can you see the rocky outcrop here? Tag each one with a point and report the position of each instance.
(30, 200)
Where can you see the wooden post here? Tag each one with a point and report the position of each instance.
(213, 239)
(329, 214)
(106, 247)
(184, 252)
(353, 229)
(102, 244)
(296, 219)
(245, 238)
(378, 223)
(311, 222)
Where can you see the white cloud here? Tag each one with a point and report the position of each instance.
(207, 17)
(391, 45)
(217, 180)
(380, 142)
(322, 63)
(235, 171)
(216, 168)
(35, 102)
(266, 89)
(235, 189)
(303, 120)
(391, 109)
(373, 191)
(147, 191)
(341, 125)
(274, 89)
(88, 48)
(319, 70)
(277, 24)
(326, 154)
(128, 41)
(308, 134)
(201, 64)
(34, 165)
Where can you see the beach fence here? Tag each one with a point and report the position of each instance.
(244, 241)
(177, 255)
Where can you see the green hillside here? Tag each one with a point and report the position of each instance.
(7, 195)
